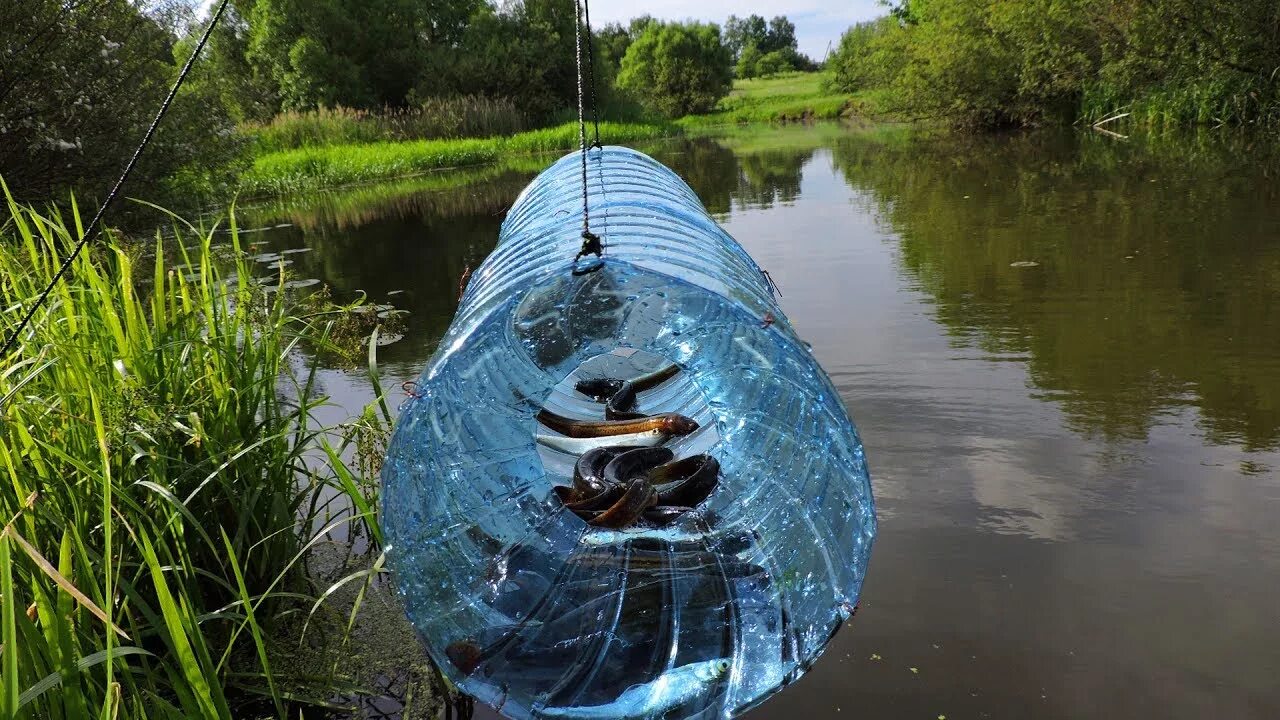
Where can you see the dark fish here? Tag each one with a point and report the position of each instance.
(628, 508)
(599, 389)
(600, 501)
(621, 405)
(588, 472)
(635, 463)
(694, 487)
(676, 471)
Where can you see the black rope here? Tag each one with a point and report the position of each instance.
(92, 230)
(591, 73)
(591, 244)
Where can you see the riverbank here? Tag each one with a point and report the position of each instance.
(787, 97)
(784, 98)
(311, 168)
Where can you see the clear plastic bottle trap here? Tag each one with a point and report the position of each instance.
(521, 603)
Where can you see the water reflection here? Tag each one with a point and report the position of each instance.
(1157, 274)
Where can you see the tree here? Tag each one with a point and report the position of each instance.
(749, 62)
(678, 68)
(740, 33)
(780, 37)
(79, 84)
(772, 63)
(523, 52)
(359, 53)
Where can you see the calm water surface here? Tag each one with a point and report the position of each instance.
(1063, 354)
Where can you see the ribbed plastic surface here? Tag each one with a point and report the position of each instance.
(524, 605)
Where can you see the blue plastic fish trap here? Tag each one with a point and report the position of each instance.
(524, 605)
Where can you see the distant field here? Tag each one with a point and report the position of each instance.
(790, 96)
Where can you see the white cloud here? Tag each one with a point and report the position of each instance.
(817, 23)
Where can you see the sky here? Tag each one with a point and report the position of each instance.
(818, 22)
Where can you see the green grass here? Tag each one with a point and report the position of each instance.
(781, 98)
(161, 487)
(434, 118)
(335, 165)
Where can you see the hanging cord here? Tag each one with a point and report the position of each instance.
(591, 244)
(591, 74)
(92, 231)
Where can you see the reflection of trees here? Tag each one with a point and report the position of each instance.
(710, 169)
(1158, 282)
(417, 243)
(771, 176)
(720, 175)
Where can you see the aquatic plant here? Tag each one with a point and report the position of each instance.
(163, 477)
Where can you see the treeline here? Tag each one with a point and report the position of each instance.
(81, 79)
(989, 63)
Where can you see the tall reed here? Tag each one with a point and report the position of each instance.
(433, 118)
(161, 475)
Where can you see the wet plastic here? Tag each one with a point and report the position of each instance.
(520, 602)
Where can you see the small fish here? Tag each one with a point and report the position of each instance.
(600, 501)
(628, 507)
(603, 388)
(653, 699)
(588, 472)
(635, 463)
(620, 405)
(599, 389)
(578, 446)
(694, 487)
(670, 423)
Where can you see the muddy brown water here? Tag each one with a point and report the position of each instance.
(1063, 354)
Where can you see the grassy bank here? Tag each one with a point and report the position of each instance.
(782, 98)
(432, 119)
(164, 478)
(328, 166)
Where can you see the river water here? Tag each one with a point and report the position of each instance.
(1063, 354)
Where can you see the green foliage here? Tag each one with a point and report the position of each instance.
(79, 85)
(316, 167)
(678, 68)
(989, 63)
(748, 62)
(434, 118)
(359, 53)
(523, 52)
(157, 453)
(777, 35)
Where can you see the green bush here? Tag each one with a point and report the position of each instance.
(773, 63)
(984, 63)
(678, 68)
